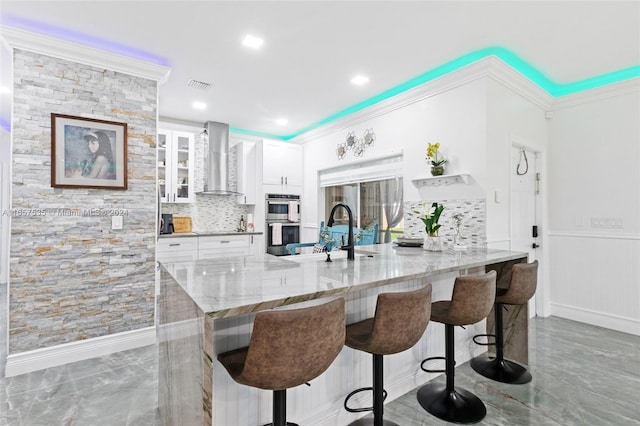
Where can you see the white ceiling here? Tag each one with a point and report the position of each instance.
(313, 49)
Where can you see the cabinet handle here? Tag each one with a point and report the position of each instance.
(252, 239)
(224, 242)
(281, 180)
(286, 180)
(174, 244)
(174, 197)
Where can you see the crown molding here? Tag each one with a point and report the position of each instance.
(491, 67)
(599, 93)
(504, 74)
(76, 52)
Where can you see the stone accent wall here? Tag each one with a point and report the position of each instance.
(71, 276)
(474, 223)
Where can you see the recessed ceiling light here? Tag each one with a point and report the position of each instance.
(252, 41)
(199, 105)
(359, 80)
(282, 121)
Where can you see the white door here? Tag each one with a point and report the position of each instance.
(523, 205)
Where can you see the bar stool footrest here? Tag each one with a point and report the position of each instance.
(426, 370)
(487, 343)
(360, 410)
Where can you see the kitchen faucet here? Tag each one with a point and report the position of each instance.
(349, 246)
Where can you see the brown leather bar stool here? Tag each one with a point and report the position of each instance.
(399, 322)
(288, 348)
(471, 301)
(522, 287)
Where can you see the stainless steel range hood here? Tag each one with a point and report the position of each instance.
(216, 173)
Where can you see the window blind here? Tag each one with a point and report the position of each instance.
(381, 168)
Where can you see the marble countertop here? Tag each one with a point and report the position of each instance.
(238, 285)
(206, 234)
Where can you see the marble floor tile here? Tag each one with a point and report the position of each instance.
(582, 375)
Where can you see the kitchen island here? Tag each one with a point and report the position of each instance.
(207, 307)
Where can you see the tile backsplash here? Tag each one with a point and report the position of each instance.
(212, 213)
(473, 213)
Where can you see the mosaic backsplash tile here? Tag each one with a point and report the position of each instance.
(473, 223)
(212, 213)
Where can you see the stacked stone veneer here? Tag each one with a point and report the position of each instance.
(474, 221)
(71, 276)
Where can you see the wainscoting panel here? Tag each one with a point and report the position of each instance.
(596, 279)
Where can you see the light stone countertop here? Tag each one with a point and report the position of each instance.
(238, 285)
(206, 234)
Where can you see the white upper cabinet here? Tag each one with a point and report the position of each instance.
(247, 177)
(282, 168)
(176, 162)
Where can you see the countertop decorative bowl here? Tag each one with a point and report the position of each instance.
(409, 242)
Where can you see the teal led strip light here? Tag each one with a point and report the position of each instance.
(508, 57)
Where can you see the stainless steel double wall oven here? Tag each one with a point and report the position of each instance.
(282, 213)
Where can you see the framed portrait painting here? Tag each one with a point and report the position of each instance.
(88, 153)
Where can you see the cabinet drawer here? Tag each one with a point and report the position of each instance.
(223, 246)
(177, 245)
(223, 242)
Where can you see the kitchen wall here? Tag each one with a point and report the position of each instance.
(456, 118)
(594, 208)
(588, 147)
(72, 277)
(212, 213)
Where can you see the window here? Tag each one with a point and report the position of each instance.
(372, 188)
(371, 202)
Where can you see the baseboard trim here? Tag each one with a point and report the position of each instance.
(600, 319)
(39, 359)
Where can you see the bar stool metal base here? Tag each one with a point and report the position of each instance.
(369, 421)
(457, 406)
(500, 370)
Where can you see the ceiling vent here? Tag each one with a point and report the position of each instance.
(200, 85)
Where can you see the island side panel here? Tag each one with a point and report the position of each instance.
(182, 376)
(515, 320)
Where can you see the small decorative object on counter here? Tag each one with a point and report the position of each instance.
(437, 163)
(458, 218)
(243, 224)
(430, 219)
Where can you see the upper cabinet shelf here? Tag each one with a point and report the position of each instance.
(443, 180)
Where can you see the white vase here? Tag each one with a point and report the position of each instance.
(432, 243)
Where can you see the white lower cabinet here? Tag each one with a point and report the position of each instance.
(256, 245)
(213, 247)
(175, 249)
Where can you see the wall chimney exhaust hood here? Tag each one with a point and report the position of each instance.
(216, 173)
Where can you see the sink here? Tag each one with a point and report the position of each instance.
(335, 255)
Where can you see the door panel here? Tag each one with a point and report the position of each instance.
(523, 205)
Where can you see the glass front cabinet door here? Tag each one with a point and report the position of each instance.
(176, 166)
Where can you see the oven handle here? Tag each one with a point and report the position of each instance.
(283, 202)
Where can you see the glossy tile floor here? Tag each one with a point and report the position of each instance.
(583, 375)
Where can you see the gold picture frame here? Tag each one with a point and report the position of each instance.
(88, 153)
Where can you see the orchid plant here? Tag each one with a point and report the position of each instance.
(430, 218)
(432, 154)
